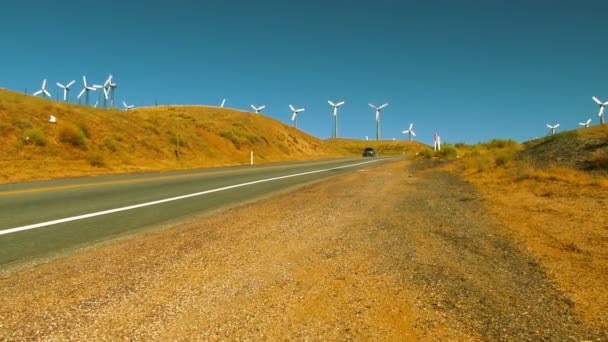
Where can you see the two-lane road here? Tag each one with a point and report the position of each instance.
(47, 217)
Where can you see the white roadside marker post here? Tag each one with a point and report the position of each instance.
(251, 159)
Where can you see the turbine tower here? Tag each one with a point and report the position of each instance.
(112, 89)
(85, 89)
(66, 89)
(257, 109)
(127, 106)
(602, 108)
(553, 128)
(410, 131)
(294, 115)
(585, 124)
(378, 109)
(336, 106)
(43, 90)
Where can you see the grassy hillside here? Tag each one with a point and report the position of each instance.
(87, 141)
(383, 147)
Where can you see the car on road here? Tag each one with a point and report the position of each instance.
(369, 152)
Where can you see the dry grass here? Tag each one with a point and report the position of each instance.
(87, 141)
(555, 211)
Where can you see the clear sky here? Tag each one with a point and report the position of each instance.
(470, 70)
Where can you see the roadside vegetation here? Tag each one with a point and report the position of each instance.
(551, 194)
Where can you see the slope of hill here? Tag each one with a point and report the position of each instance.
(383, 147)
(584, 149)
(87, 141)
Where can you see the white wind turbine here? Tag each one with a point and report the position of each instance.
(223, 103)
(66, 89)
(378, 109)
(43, 90)
(553, 128)
(602, 108)
(410, 131)
(127, 106)
(85, 89)
(585, 124)
(336, 106)
(294, 115)
(111, 89)
(257, 109)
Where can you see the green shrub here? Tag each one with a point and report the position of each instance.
(73, 135)
(175, 138)
(448, 151)
(96, 159)
(34, 136)
(110, 144)
(427, 153)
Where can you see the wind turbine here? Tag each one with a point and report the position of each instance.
(257, 109)
(336, 106)
(602, 108)
(85, 89)
(43, 90)
(553, 128)
(378, 109)
(585, 124)
(66, 89)
(111, 87)
(294, 116)
(127, 106)
(410, 131)
(223, 103)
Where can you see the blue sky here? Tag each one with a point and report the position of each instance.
(470, 70)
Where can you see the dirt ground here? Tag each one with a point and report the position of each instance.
(400, 251)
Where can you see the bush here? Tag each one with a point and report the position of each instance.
(96, 159)
(503, 158)
(34, 136)
(599, 159)
(233, 137)
(22, 124)
(73, 135)
(110, 144)
(427, 153)
(448, 151)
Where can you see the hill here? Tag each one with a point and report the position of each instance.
(583, 149)
(88, 141)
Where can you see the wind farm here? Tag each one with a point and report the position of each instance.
(224, 171)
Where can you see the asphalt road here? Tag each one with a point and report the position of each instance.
(42, 218)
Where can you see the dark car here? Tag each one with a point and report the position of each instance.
(369, 152)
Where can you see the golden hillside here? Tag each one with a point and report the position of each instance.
(87, 141)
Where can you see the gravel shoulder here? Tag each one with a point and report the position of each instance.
(399, 251)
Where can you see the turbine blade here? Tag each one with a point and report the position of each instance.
(549, 126)
(84, 81)
(371, 105)
(411, 125)
(37, 93)
(44, 83)
(292, 109)
(261, 107)
(556, 126)
(293, 116)
(414, 134)
(253, 107)
(46, 92)
(124, 104)
(300, 110)
(60, 85)
(340, 103)
(331, 103)
(596, 100)
(384, 105)
(81, 92)
(70, 84)
(105, 93)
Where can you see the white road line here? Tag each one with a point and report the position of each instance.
(141, 205)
